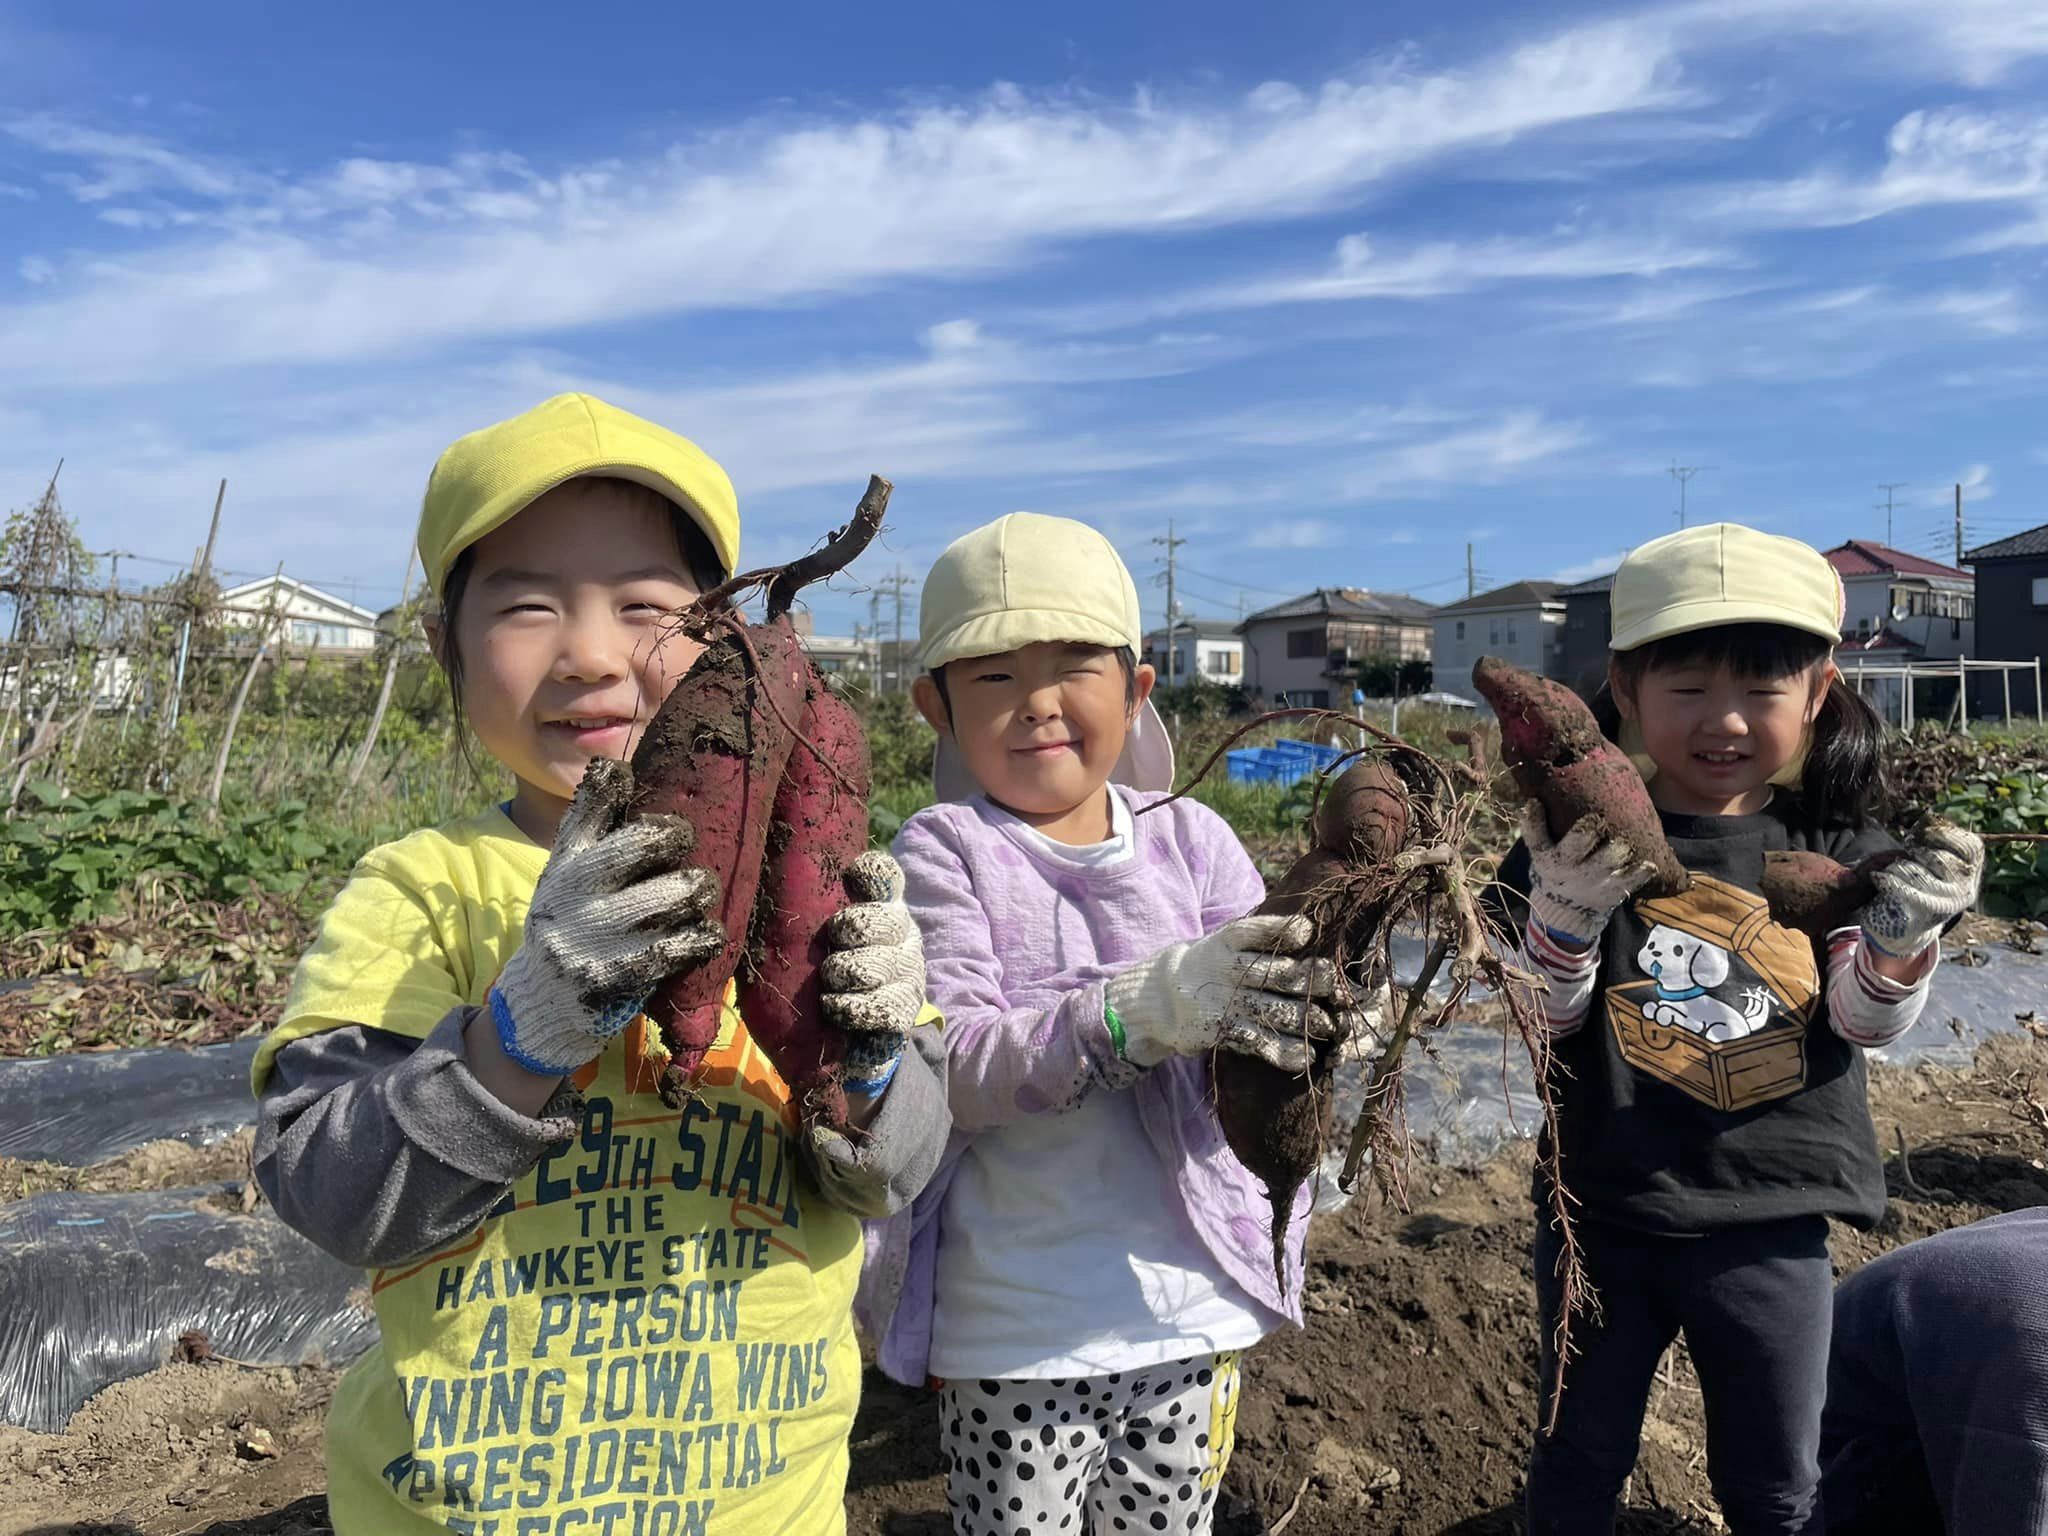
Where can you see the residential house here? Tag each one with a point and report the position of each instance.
(1931, 606)
(298, 614)
(1309, 647)
(1522, 622)
(832, 654)
(1588, 624)
(2012, 583)
(1207, 648)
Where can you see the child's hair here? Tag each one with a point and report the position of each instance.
(1844, 779)
(1125, 658)
(699, 559)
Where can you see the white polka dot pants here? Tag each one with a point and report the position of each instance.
(1139, 1451)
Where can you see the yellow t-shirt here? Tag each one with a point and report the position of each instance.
(652, 1334)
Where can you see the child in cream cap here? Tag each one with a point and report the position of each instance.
(1099, 1257)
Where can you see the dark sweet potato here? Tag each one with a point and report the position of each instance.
(1553, 745)
(820, 827)
(1811, 893)
(1277, 1123)
(715, 753)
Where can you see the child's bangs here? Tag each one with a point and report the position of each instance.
(1768, 651)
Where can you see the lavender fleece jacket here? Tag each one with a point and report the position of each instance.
(1016, 954)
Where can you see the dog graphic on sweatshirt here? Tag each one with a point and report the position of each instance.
(1686, 969)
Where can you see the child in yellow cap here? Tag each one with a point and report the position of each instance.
(597, 1313)
(1707, 1063)
(1085, 1268)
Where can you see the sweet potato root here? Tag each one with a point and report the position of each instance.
(1553, 745)
(820, 827)
(1275, 1122)
(1811, 893)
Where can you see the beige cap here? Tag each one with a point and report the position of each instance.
(1027, 578)
(1723, 573)
(1022, 579)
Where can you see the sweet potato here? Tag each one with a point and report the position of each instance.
(1812, 894)
(1277, 1123)
(820, 827)
(715, 752)
(719, 751)
(1553, 745)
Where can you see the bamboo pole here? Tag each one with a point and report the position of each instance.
(361, 760)
(38, 744)
(202, 565)
(227, 735)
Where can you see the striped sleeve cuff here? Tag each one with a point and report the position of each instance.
(1570, 974)
(1865, 1007)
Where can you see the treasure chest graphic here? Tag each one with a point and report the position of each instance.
(1721, 1010)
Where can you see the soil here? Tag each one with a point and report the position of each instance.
(1405, 1406)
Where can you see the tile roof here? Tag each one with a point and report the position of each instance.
(1886, 639)
(1866, 557)
(1347, 603)
(2033, 542)
(1591, 588)
(1517, 594)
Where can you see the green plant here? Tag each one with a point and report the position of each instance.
(2016, 873)
(66, 859)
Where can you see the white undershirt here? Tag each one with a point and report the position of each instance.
(1063, 1248)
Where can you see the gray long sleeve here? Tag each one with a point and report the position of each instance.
(381, 1149)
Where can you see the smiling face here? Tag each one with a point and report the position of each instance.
(563, 637)
(1040, 729)
(1717, 735)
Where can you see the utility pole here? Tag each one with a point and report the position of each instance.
(1172, 644)
(1471, 580)
(1683, 474)
(894, 586)
(1959, 522)
(1888, 487)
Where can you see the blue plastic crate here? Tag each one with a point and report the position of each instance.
(1266, 765)
(1316, 753)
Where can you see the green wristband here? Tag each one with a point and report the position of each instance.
(1116, 1031)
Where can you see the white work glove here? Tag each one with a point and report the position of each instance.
(616, 912)
(874, 977)
(1919, 895)
(1576, 883)
(1243, 988)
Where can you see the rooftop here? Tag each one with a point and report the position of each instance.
(1202, 629)
(1516, 594)
(1347, 603)
(1865, 557)
(1597, 585)
(2033, 542)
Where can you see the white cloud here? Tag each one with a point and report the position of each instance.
(1932, 158)
(1296, 533)
(35, 269)
(1977, 42)
(755, 217)
(1480, 455)
(1584, 570)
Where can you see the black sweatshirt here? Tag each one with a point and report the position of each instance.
(1706, 1089)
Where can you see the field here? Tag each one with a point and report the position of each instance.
(157, 884)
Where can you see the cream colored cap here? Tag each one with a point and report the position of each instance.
(1723, 573)
(1022, 579)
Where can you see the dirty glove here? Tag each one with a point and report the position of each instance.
(874, 977)
(616, 913)
(1919, 895)
(1243, 988)
(1576, 882)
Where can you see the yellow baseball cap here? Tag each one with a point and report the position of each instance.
(486, 478)
(1723, 573)
(1027, 578)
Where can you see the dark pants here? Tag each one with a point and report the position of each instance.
(1755, 1305)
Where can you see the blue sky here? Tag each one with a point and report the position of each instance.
(1336, 288)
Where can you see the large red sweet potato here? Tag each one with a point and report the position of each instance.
(820, 826)
(1553, 745)
(715, 752)
(1277, 1123)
